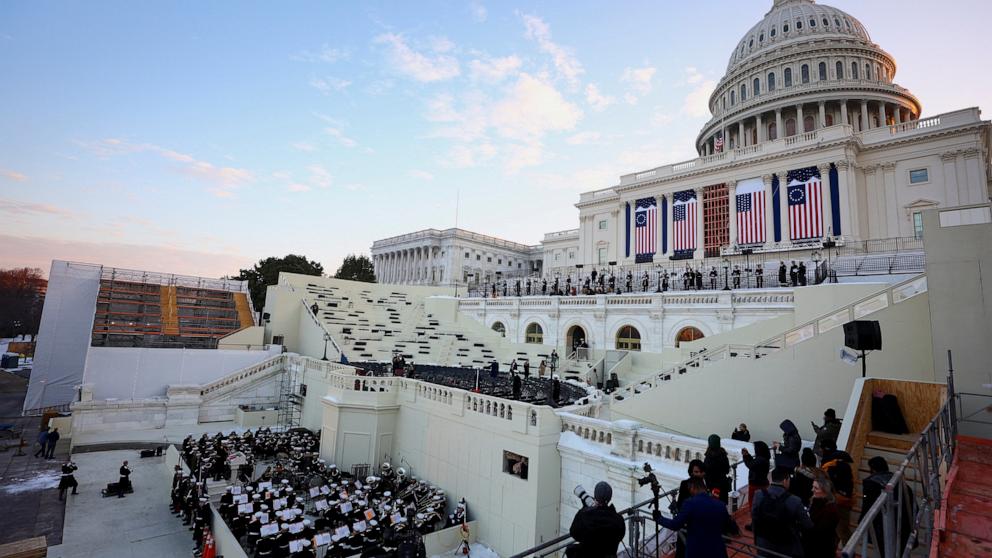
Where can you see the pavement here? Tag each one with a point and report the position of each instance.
(139, 525)
(28, 485)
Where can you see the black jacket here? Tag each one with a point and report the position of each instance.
(717, 469)
(792, 444)
(598, 531)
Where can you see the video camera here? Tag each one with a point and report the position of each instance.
(650, 478)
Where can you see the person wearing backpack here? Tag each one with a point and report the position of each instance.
(778, 516)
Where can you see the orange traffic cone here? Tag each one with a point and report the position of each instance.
(209, 548)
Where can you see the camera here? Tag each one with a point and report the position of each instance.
(587, 500)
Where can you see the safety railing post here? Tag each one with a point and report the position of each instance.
(888, 525)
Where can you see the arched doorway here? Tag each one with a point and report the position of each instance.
(575, 337)
(535, 334)
(628, 339)
(688, 334)
(499, 328)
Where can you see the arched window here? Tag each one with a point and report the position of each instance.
(787, 77)
(808, 124)
(732, 98)
(785, 28)
(772, 131)
(772, 32)
(790, 127)
(743, 92)
(840, 70)
(687, 334)
(854, 70)
(867, 71)
(535, 334)
(499, 328)
(799, 25)
(804, 71)
(756, 87)
(771, 81)
(830, 119)
(628, 339)
(823, 71)
(812, 22)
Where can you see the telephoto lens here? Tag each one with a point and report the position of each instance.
(587, 500)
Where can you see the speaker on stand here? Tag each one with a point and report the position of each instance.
(863, 335)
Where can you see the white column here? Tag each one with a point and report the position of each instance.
(700, 229)
(800, 127)
(823, 115)
(843, 111)
(881, 114)
(779, 130)
(865, 124)
(740, 135)
(783, 206)
(828, 213)
(769, 211)
(898, 114)
(732, 212)
(760, 129)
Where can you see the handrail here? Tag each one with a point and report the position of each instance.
(933, 449)
(800, 333)
(320, 324)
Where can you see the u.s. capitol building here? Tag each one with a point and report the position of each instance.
(811, 139)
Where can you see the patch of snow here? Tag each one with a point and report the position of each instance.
(15, 485)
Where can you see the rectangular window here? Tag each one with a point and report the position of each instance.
(917, 224)
(919, 176)
(466, 255)
(602, 225)
(499, 261)
(489, 260)
(557, 257)
(478, 257)
(571, 255)
(519, 265)
(601, 256)
(515, 464)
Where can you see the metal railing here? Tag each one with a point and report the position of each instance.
(901, 520)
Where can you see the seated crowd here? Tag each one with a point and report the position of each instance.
(302, 507)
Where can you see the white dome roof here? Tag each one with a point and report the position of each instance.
(790, 20)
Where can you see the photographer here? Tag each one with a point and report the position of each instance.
(68, 479)
(597, 528)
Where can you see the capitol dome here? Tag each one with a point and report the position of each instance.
(803, 53)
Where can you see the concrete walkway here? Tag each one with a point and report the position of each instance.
(138, 526)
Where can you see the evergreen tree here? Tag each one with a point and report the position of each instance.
(266, 272)
(356, 268)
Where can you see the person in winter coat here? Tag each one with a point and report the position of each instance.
(741, 433)
(697, 471)
(821, 540)
(758, 467)
(829, 431)
(705, 517)
(805, 474)
(838, 465)
(872, 489)
(597, 529)
(541, 369)
(778, 517)
(42, 441)
(717, 468)
(788, 449)
(781, 274)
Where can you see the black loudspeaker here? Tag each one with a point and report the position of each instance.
(863, 335)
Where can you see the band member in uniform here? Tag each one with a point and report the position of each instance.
(68, 480)
(124, 484)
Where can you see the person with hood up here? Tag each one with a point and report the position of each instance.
(788, 450)
(717, 466)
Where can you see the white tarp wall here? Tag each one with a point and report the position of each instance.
(64, 334)
(139, 373)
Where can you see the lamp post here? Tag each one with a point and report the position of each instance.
(816, 256)
(829, 245)
(726, 267)
(658, 290)
(326, 339)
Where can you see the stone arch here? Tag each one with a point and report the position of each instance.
(575, 334)
(499, 328)
(688, 333)
(534, 333)
(627, 338)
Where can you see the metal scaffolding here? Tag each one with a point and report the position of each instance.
(291, 393)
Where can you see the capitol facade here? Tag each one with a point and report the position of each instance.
(810, 139)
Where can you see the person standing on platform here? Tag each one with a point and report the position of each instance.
(644, 282)
(68, 479)
(664, 282)
(493, 370)
(527, 368)
(788, 449)
(516, 385)
(630, 281)
(736, 275)
(712, 277)
(699, 279)
(124, 483)
(544, 287)
(801, 272)
(516, 287)
(759, 276)
(794, 274)
(541, 369)
(42, 442)
(781, 274)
